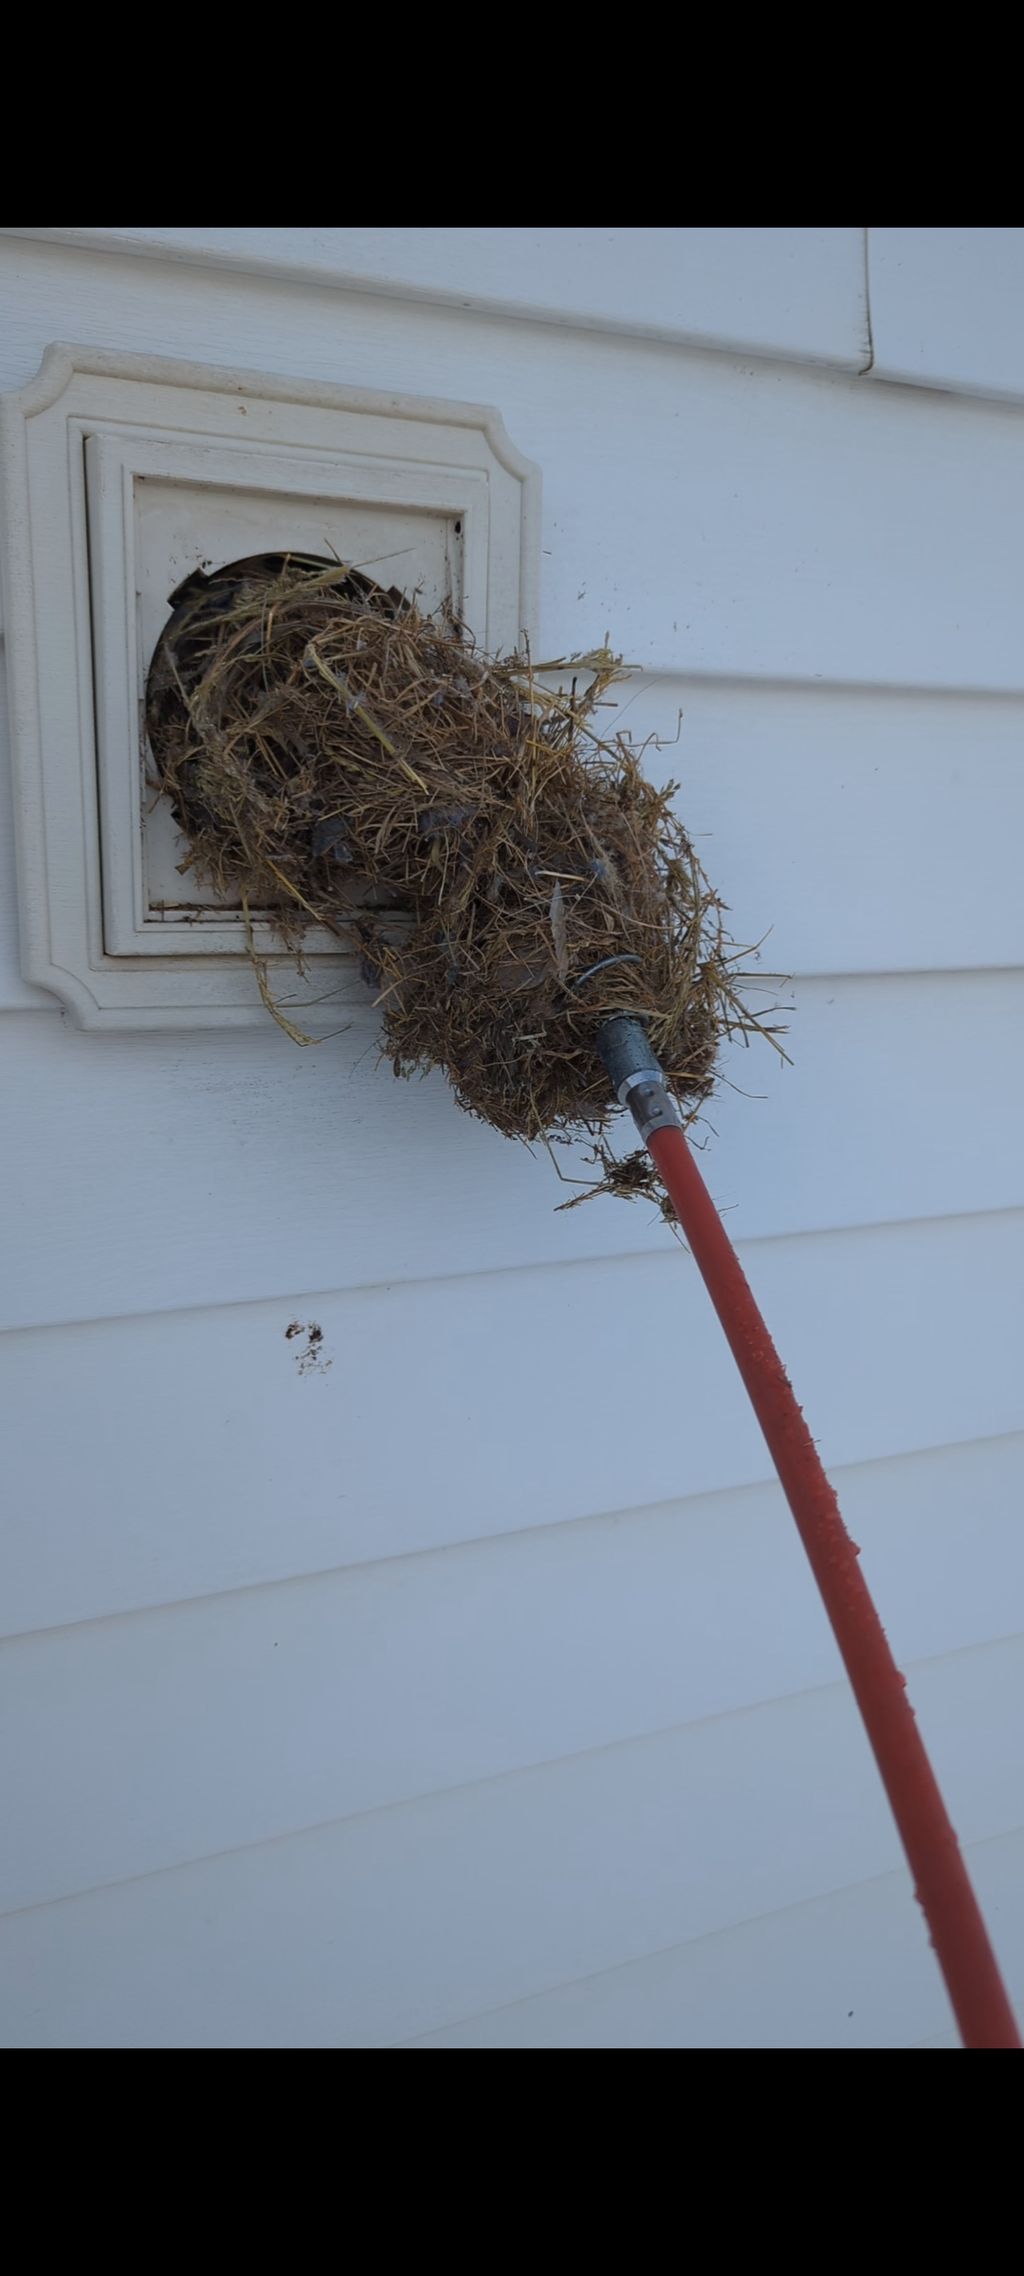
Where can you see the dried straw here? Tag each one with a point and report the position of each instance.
(508, 876)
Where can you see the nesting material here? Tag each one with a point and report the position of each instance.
(505, 870)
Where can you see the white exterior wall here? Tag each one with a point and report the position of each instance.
(402, 1700)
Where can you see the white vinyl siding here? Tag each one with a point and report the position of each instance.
(471, 1690)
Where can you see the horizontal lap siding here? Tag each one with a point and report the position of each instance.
(794, 792)
(399, 1922)
(797, 292)
(947, 308)
(498, 1708)
(167, 1456)
(734, 518)
(239, 1718)
(226, 1168)
(851, 1969)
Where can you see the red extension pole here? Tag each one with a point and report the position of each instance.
(942, 1886)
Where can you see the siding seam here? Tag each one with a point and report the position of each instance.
(867, 368)
(708, 1936)
(545, 1763)
(666, 1256)
(481, 1542)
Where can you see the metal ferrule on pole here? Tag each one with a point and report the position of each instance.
(636, 1075)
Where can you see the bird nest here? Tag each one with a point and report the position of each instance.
(506, 873)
